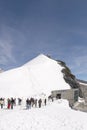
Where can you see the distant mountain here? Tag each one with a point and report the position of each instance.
(82, 81)
(39, 76)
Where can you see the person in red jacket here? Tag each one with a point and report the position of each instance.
(8, 103)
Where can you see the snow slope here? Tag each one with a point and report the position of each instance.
(55, 116)
(39, 76)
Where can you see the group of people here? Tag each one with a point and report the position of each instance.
(34, 102)
(30, 102)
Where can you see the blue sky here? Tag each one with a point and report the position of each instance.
(55, 27)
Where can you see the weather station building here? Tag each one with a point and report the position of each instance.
(70, 94)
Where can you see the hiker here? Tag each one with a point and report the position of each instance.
(8, 103)
(35, 102)
(12, 102)
(50, 98)
(1, 102)
(45, 101)
(32, 101)
(39, 102)
(19, 101)
(28, 103)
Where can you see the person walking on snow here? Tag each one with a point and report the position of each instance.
(8, 103)
(28, 103)
(1, 102)
(40, 102)
(12, 103)
(45, 101)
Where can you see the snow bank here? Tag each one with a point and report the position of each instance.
(55, 116)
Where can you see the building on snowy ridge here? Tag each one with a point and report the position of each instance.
(70, 94)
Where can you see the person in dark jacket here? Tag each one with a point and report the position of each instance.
(35, 102)
(39, 102)
(1, 102)
(12, 103)
(32, 101)
(45, 101)
(28, 103)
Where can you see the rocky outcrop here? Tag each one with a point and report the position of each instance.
(68, 76)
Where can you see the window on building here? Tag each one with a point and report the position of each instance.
(58, 96)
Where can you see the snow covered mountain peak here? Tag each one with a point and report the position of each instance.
(40, 75)
(40, 59)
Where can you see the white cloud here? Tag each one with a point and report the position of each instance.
(10, 39)
(78, 65)
(6, 52)
(81, 60)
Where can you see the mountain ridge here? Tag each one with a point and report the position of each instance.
(40, 75)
